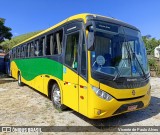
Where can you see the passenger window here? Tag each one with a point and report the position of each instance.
(52, 47)
(59, 42)
(41, 46)
(18, 52)
(14, 53)
(71, 54)
(24, 51)
(28, 50)
(49, 44)
(56, 45)
(21, 51)
(36, 47)
(32, 49)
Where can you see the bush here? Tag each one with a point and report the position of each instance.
(152, 63)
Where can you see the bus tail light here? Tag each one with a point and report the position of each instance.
(102, 94)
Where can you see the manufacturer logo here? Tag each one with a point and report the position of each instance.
(6, 129)
(133, 92)
(131, 80)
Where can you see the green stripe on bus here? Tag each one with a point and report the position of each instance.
(30, 68)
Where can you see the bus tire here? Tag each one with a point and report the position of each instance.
(19, 79)
(56, 98)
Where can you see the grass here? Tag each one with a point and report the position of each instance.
(7, 44)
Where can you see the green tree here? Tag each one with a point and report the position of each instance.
(8, 44)
(5, 32)
(150, 43)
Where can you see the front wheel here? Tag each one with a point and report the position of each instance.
(19, 80)
(56, 98)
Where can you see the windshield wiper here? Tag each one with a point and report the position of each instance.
(134, 55)
(131, 57)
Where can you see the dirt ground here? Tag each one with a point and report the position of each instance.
(24, 106)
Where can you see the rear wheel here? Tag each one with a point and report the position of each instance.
(56, 98)
(19, 79)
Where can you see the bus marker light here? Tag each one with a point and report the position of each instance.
(81, 97)
(99, 112)
(84, 87)
(67, 83)
(81, 86)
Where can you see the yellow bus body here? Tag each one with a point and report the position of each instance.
(85, 101)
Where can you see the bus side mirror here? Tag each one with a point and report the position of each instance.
(90, 38)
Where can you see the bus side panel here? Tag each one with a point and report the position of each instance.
(36, 72)
(14, 70)
(36, 83)
(83, 96)
(70, 88)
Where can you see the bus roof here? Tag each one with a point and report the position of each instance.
(84, 17)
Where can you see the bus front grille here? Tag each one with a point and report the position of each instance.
(124, 99)
(125, 107)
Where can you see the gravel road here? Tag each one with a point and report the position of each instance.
(24, 106)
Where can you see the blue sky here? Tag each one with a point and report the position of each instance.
(25, 16)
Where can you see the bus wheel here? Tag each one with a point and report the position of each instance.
(56, 98)
(19, 80)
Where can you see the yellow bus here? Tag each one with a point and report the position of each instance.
(93, 64)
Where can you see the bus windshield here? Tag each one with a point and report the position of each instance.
(119, 52)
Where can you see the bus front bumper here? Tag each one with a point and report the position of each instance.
(103, 109)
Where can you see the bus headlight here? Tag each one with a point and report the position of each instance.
(102, 94)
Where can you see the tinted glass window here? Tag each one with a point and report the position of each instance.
(32, 50)
(28, 50)
(36, 47)
(71, 54)
(49, 44)
(40, 46)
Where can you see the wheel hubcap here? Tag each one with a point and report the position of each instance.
(57, 97)
(19, 79)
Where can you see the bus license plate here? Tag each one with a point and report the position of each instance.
(132, 108)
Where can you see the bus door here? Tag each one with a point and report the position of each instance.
(74, 70)
(83, 85)
(70, 70)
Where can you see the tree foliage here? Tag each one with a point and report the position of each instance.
(8, 44)
(151, 44)
(5, 32)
